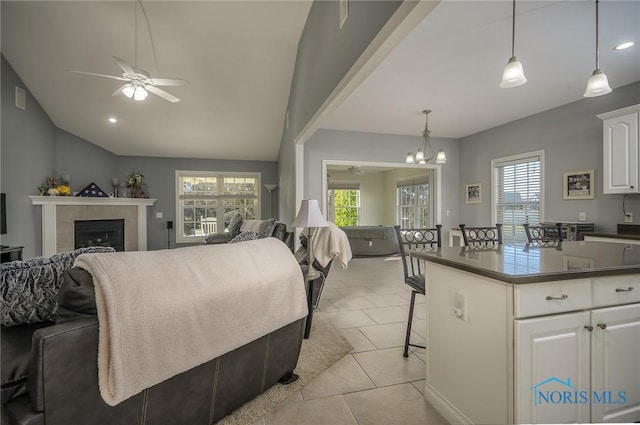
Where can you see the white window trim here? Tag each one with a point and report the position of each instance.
(430, 206)
(517, 158)
(191, 173)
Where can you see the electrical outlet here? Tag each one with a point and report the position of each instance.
(628, 218)
(582, 216)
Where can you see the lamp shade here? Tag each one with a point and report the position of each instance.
(441, 158)
(309, 215)
(271, 186)
(597, 85)
(513, 75)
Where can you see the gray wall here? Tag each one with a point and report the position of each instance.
(571, 136)
(32, 148)
(159, 175)
(325, 54)
(85, 162)
(28, 156)
(371, 147)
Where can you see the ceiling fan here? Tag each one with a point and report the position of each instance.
(138, 81)
(356, 169)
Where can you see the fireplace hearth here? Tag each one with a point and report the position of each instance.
(99, 233)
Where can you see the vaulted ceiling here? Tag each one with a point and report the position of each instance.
(238, 58)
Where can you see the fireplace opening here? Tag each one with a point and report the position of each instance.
(99, 233)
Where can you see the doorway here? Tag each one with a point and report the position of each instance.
(377, 193)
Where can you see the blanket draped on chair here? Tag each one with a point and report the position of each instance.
(164, 312)
(331, 243)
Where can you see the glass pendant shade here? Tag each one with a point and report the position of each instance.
(128, 91)
(136, 92)
(419, 155)
(410, 159)
(441, 158)
(140, 94)
(513, 75)
(597, 85)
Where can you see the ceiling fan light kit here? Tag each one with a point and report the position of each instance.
(598, 84)
(513, 75)
(426, 153)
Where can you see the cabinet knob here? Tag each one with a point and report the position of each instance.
(589, 328)
(602, 325)
(561, 297)
(629, 289)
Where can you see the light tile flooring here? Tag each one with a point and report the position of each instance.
(374, 384)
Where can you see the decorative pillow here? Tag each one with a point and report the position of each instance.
(250, 225)
(244, 236)
(234, 225)
(29, 289)
(280, 231)
(266, 228)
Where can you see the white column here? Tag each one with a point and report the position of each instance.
(49, 234)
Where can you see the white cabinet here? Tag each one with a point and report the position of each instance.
(552, 356)
(580, 366)
(620, 151)
(615, 364)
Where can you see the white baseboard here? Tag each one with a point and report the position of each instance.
(444, 407)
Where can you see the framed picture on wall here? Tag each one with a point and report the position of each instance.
(579, 184)
(474, 193)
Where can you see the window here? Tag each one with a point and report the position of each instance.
(344, 203)
(207, 200)
(414, 206)
(518, 193)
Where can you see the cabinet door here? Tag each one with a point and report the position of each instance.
(552, 355)
(616, 364)
(621, 154)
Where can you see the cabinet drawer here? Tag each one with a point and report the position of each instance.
(538, 299)
(616, 290)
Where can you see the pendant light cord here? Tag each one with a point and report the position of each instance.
(597, 31)
(513, 31)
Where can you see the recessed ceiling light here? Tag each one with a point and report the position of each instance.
(624, 45)
(112, 120)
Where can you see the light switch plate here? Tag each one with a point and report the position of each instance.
(582, 216)
(628, 218)
(158, 215)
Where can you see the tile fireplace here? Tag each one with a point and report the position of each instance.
(59, 214)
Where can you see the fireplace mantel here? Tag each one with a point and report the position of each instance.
(50, 206)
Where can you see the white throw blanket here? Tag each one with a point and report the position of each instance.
(164, 312)
(331, 243)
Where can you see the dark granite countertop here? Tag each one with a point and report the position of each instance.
(521, 264)
(613, 236)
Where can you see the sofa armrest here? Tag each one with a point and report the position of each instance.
(63, 377)
(55, 348)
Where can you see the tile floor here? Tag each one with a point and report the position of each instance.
(374, 384)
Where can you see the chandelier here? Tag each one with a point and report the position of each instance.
(426, 152)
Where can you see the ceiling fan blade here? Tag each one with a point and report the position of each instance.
(168, 82)
(163, 94)
(126, 68)
(98, 75)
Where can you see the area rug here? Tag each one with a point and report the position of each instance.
(325, 347)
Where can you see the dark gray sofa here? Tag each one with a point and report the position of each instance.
(62, 381)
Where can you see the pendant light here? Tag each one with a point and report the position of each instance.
(426, 152)
(513, 75)
(598, 83)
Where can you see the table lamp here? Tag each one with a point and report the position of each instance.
(310, 216)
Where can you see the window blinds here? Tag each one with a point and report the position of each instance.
(518, 193)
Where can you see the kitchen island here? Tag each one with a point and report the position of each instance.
(524, 334)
